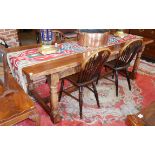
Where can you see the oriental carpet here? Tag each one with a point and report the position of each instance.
(113, 109)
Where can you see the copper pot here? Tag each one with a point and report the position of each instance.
(93, 39)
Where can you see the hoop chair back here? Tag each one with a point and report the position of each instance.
(128, 52)
(91, 66)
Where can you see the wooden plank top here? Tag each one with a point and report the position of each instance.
(53, 66)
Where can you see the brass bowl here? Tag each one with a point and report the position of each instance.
(93, 39)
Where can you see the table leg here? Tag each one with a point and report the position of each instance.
(30, 86)
(136, 64)
(55, 116)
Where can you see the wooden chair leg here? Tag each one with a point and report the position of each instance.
(80, 100)
(116, 82)
(128, 78)
(96, 94)
(98, 77)
(61, 89)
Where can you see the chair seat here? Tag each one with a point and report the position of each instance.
(111, 64)
(74, 78)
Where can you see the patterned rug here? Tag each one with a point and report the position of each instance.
(113, 109)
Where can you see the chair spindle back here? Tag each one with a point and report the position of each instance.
(128, 52)
(91, 67)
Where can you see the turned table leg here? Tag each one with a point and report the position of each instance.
(136, 64)
(30, 86)
(55, 116)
